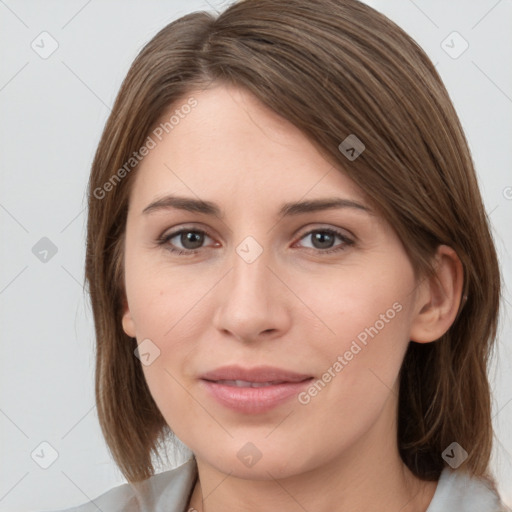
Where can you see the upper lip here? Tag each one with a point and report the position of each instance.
(255, 374)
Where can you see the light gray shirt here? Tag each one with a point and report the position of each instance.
(170, 492)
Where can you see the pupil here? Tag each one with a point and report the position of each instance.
(193, 238)
(321, 238)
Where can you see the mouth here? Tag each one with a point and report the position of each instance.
(247, 384)
(253, 390)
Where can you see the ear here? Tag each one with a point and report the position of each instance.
(438, 298)
(127, 320)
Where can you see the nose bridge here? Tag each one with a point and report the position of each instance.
(250, 278)
(251, 254)
(249, 302)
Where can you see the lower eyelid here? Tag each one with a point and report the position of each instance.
(345, 241)
(167, 238)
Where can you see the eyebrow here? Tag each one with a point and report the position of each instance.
(288, 209)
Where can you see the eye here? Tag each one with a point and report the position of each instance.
(190, 239)
(323, 240)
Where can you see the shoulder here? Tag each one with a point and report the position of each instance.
(165, 492)
(458, 490)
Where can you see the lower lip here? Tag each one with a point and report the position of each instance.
(254, 400)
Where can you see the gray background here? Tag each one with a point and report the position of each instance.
(52, 112)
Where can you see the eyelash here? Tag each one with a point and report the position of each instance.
(164, 239)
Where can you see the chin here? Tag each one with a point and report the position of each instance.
(261, 460)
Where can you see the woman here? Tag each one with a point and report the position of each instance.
(291, 271)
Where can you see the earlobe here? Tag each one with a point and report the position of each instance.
(127, 320)
(438, 298)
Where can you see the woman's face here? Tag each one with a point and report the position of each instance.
(272, 341)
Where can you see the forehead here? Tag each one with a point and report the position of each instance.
(231, 147)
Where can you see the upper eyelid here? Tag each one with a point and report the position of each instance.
(340, 232)
(174, 231)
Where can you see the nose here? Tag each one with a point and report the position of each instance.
(252, 303)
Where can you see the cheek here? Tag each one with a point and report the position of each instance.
(162, 299)
(359, 303)
(358, 365)
(168, 309)
(366, 322)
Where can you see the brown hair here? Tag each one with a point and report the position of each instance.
(332, 68)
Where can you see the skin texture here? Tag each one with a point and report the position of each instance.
(294, 307)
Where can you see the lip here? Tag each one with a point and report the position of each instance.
(283, 385)
(255, 374)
